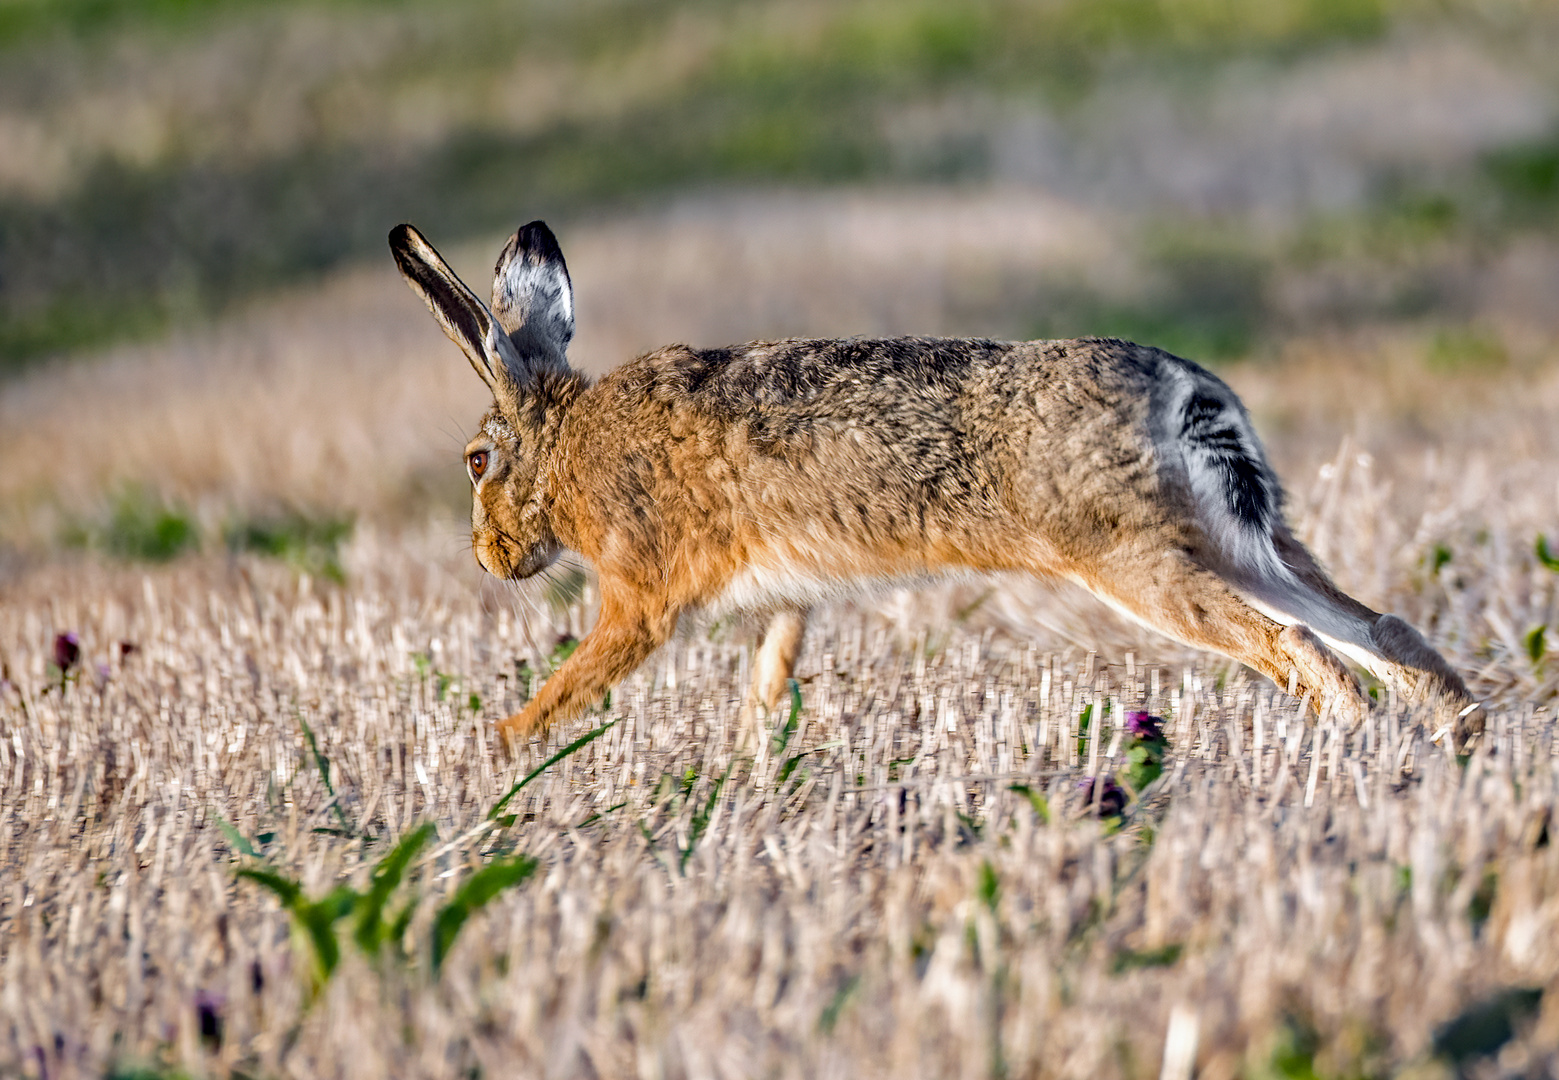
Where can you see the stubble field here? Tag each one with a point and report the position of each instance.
(908, 880)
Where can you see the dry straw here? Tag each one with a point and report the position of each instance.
(869, 897)
(866, 897)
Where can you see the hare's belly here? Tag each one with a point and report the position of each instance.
(802, 578)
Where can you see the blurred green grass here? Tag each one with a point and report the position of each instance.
(772, 95)
(641, 98)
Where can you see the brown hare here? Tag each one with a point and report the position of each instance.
(774, 475)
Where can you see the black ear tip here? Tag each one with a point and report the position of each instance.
(534, 238)
(403, 240)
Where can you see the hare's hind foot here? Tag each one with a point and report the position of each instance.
(773, 666)
(775, 662)
(1409, 665)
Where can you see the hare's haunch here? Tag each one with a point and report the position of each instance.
(778, 474)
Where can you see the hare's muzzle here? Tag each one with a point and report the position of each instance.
(502, 558)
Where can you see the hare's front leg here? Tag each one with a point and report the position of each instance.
(627, 631)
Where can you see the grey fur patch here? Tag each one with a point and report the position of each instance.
(1212, 428)
(533, 297)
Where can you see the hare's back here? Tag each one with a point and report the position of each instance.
(863, 377)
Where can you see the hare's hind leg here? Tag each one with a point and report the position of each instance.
(1178, 597)
(1393, 651)
(775, 662)
(627, 631)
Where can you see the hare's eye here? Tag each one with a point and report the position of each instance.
(478, 463)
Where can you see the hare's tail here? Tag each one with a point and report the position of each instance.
(1240, 503)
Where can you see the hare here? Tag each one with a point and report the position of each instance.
(778, 474)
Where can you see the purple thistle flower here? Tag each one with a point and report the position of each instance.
(1112, 797)
(1143, 726)
(209, 1008)
(67, 650)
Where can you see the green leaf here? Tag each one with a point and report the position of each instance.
(286, 890)
(235, 839)
(1441, 556)
(402, 920)
(567, 645)
(783, 734)
(472, 896)
(1036, 799)
(368, 928)
(313, 920)
(989, 889)
(1544, 556)
(786, 769)
(593, 818)
(1131, 959)
(322, 763)
(1144, 764)
(1083, 720)
(829, 1018)
(587, 737)
(1536, 646)
(701, 819)
(318, 922)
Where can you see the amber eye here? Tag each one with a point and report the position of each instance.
(478, 463)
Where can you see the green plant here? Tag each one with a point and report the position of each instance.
(1126, 960)
(988, 889)
(308, 544)
(562, 649)
(1544, 556)
(322, 763)
(783, 733)
(700, 820)
(565, 588)
(829, 1018)
(369, 929)
(1536, 645)
(1467, 349)
(314, 921)
(139, 527)
(239, 842)
(583, 740)
(1036, 799)
(1145, 752)
(472, 896)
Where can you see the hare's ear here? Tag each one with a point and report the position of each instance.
(532, 295)
(464, 317)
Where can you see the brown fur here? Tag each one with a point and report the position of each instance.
(775, 474)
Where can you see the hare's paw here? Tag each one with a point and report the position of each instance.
(775, 663)
(522, 725)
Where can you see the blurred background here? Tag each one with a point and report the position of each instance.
(1349, 208)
